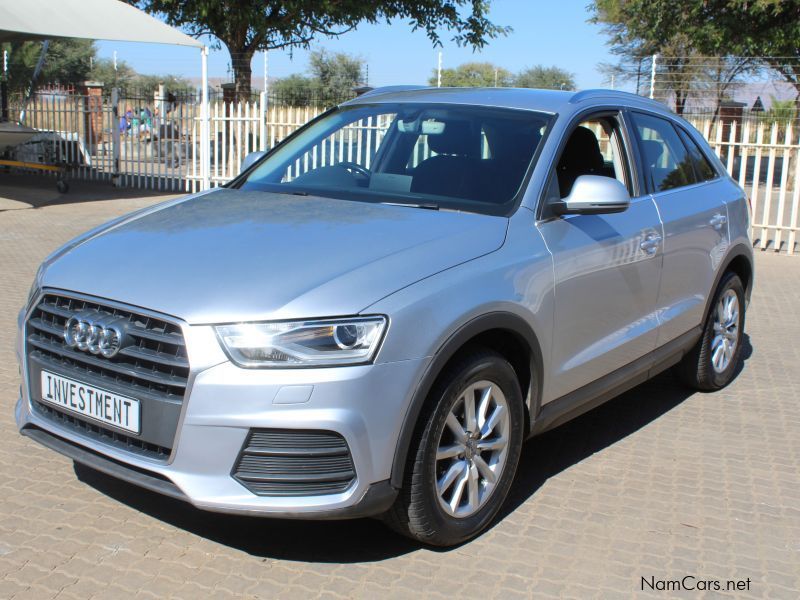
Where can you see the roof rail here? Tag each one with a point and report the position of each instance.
(388, 89)
(600, 92)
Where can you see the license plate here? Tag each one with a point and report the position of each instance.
(90, 401)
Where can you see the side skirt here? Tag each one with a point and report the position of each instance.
(594, 394)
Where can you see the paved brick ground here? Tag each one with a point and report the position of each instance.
(658, 483)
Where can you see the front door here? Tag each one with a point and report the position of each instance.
(607, 267)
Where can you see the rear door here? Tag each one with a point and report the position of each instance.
(683, 184)
(607, 267)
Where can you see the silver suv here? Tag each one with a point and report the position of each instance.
(374, 315)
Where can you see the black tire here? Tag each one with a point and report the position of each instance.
(417, 512)
(62, 186)
(696, 369)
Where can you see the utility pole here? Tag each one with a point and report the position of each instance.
(439, 71)
(4, 89)
(495, 76)
(264, 107)
(266, 71)
(653, 76)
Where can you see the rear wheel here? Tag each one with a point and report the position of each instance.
(712, 363)
(465, 452)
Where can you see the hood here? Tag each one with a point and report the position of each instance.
(231, 255)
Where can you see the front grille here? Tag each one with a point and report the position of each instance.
(154, 369)
(283, 462)
(119, 440)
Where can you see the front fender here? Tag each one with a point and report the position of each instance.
(505, 321)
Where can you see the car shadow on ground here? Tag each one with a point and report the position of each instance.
(25, 191)
(367, 540)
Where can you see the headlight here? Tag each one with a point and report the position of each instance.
(323, 343)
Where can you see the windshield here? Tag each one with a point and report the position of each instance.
(471, 158)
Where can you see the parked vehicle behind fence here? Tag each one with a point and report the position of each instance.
(369, 329)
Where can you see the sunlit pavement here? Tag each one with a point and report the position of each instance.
(656, 485)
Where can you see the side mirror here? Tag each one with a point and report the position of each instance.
(594, 195)
(251, 158)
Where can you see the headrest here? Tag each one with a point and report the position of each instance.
(457, 138)
(582, 152)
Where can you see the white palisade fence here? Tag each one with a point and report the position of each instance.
(764, 157)
(163, 151)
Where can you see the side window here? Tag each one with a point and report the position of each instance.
(594, 148)
(667, 163)
(702, 165)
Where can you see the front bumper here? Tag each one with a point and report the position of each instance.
(365, 404)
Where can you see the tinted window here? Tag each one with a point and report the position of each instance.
(667, 163)
(702, 166)
(593, 148)
(471, 158)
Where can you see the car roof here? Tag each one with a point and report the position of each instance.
(548, 101)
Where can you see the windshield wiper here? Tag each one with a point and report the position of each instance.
(425, 205)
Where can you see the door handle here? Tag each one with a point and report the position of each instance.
(651, 243)
(717, 221)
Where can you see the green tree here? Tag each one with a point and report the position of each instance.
(127, 79)
(720, 76)
(781, 113)
(67, 62)
(548, 78)
(474, 74)
(635, 35)
(336, 74)
(767, 30)
(331, 79)
(295, 90)
(104, 72)
(247, 26)
(147, 85)
(754, 30)
(781, 110)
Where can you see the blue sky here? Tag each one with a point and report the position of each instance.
(548, 33)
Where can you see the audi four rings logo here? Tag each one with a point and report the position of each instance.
(96, 333)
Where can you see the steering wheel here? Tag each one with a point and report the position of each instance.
(355, 169)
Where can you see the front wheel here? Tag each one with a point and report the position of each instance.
(712, 363)
(465, 452)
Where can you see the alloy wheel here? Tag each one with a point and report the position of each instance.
(726, 331)
(472, 449)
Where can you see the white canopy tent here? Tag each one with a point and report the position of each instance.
(22, 20)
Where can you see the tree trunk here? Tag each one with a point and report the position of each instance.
(680, 101)
(241, 73)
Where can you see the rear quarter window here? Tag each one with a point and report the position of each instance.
(702, 166)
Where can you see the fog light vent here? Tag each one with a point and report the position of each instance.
(293, 462)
